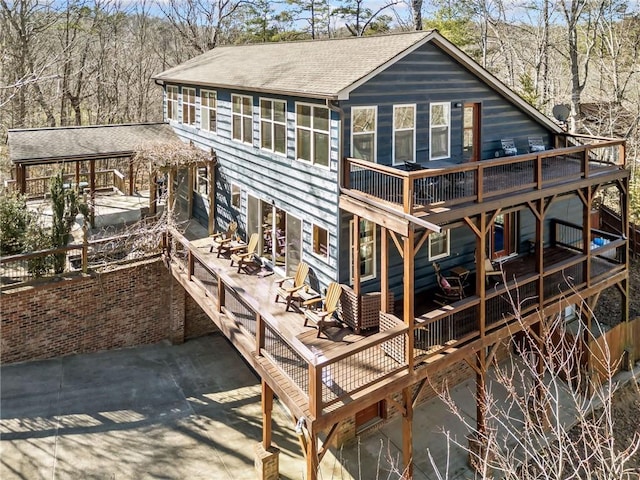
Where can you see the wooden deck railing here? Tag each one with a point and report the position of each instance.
(38, 187)
(325, 379)
(21, 268)
(413, 191)
(459, 323)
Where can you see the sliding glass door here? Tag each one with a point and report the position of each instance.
(280, 244)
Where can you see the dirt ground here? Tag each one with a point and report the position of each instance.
(626, 403)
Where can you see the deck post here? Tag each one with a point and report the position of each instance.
(212, 194)
(624, 210)
(131, 183)
(384, 270)
(586, 233)
(355, 248)
(92, 191)
(266, 455)
(153, 187)
(407, 434)
(408, 294)
(267, 408)
(220, 294)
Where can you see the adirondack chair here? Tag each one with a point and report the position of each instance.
(222, 238)
(450, 287)
(243, 255)
(323, 318)
(291, 288)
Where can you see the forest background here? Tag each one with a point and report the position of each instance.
(85, 62)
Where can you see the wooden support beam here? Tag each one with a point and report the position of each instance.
(384, 270)
(312, 456)
(492, 352)
(396, 242)
(355, 257)
(327, 441)
(481, 392)
(473, 227)
(472, 363)
(534, 209)
(92, 192)
(407, 435)
(397, 405)
(212, 194)
(267, 409)
(131, 179)
(153, 190)
(409, 296)
(418, 391)
(423, 238)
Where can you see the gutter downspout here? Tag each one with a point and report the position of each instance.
(334, 106)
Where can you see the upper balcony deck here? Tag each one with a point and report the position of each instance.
(434, 191)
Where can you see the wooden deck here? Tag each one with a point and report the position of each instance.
(316, 377)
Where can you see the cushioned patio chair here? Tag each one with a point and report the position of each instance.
(450, 287)
(290, 288)
(243, 255)
(222, 238)
(509, 147)
(536, 144)
(323, 318)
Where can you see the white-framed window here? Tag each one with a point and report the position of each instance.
(208, 110)
(363, 132)
(201, 180)
(439, 130)
(320, 241)
(172, 102)
(439, 245)
(242, 118)
(273, 125)
(367, 249)
(188, 106)
(236, 191)
(404, 134)
(312, 134)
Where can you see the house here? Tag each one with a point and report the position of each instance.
(403, 149)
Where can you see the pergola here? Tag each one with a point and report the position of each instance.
(46, 146)
(49, 146)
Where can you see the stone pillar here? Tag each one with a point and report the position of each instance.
(177, 312)
(267, 462)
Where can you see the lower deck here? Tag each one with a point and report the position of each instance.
(331, 377)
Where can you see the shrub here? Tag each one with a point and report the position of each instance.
(14, 221)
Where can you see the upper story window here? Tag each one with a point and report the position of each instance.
(273, 125)
(242, 118)
(363, 133)
(404, 134)
(188, 106)
(439, 131)
(312, 134)
(367, 249)
(208, 110)
(172, 102)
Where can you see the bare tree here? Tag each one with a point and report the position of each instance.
(200, 23)
(552, 420)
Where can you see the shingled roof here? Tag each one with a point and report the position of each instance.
(328, 69)
(318, 68)
(44, 145)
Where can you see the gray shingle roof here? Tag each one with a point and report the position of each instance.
(321, 68)
(40, 145)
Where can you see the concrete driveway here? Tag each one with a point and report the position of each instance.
(174, 412)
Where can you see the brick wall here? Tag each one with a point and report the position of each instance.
(197, 323)
(121, 308)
